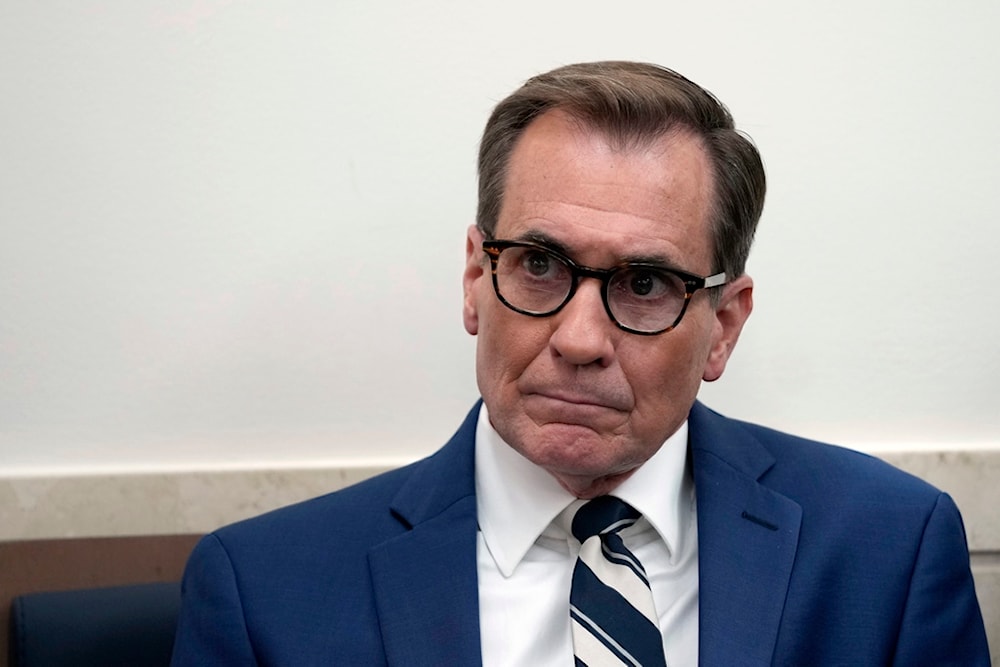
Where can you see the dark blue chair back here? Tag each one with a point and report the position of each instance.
(100, 627)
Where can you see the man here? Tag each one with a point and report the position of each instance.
(604, 280)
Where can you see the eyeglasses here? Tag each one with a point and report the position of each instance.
(643, 299)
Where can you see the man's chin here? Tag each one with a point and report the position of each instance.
(573, 450)
(590, 484)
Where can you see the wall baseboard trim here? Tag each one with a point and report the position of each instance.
(178, 502)
(166, 503)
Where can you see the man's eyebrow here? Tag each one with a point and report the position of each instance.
(653, 259)
(542, 239)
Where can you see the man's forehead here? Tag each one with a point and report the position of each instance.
(557, 150)
(572, 191)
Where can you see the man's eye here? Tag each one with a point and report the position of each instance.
(643, 284)
(537, 263)
(648, 283)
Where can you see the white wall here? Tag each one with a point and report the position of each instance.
(231, 232)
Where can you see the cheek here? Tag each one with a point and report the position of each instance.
(670, 377)
(507, 344)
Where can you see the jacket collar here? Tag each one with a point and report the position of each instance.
(425, 579)
(747, 537)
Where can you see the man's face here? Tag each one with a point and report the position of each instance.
(572, 392)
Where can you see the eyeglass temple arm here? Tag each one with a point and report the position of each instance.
(715, 281)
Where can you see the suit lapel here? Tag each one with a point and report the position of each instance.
(747, 537)
(425, 580)
(426, 585)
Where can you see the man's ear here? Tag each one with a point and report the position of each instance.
(731, 314)
(474, 272)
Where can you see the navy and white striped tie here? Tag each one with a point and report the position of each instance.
(611, 606)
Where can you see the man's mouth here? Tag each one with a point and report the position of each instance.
(563, 399)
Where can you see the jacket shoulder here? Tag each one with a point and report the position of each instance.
(375, 509)
(802, 467)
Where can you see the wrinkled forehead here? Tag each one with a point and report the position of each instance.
(567, 181)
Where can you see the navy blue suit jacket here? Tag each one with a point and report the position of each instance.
(809, 555)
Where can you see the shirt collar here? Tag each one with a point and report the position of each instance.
(517, 500)
(662, 489)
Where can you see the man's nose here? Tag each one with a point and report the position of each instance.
(583, 332)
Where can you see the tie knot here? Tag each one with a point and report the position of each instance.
(603, 514)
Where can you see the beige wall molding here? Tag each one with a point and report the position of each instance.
(105, 505)
(172, 502)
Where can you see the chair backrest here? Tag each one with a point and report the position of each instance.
(122, 625)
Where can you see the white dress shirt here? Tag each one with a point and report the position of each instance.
(526, 552)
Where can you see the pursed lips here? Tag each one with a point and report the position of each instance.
(577, 400)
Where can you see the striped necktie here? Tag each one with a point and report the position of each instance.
(611, 606)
